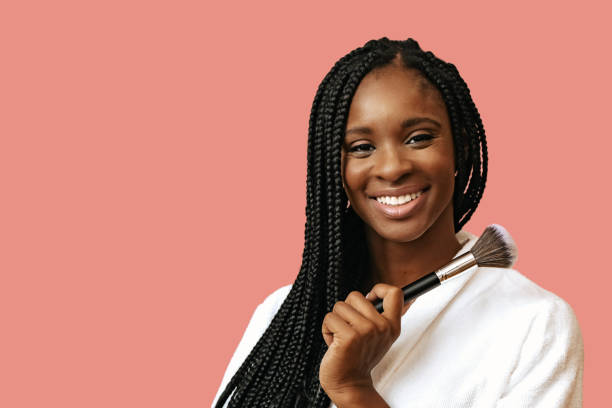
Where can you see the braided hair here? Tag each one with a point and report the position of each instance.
(282, 370)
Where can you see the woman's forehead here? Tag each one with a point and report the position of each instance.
(392, 91)
(398, 70)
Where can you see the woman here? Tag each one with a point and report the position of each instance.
(397, 164)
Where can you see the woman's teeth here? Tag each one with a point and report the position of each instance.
(398, 200)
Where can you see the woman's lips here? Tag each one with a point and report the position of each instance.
(401, 211)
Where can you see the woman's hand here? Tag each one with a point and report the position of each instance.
(358, 337)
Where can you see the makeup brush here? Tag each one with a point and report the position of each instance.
(494, 248)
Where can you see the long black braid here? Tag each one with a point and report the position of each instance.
(282, 370)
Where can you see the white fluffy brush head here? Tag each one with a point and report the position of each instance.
(495, 248)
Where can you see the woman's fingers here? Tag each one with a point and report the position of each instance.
(349, 313)
(333, 324)
(366, 308)
(358, 315)
(344, 317)
(393, 301)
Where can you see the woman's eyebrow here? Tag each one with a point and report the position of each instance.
(359, 129)
(415, 121)
(405, 124)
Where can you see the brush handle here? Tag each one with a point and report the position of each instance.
(415, 289)
(431, 280)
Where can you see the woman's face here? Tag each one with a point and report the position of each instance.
(397, 157)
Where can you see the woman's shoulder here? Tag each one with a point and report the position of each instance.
(508, 285)
(551, 347)
(268, 308)
(259, 322)
(514, 295)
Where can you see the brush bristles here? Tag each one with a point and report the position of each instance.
(495, 248)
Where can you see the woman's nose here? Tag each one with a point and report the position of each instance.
(391, 164)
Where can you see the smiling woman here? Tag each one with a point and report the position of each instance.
(399, 143)
(397, 164)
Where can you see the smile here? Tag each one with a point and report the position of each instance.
(399, 200)
(399, 207)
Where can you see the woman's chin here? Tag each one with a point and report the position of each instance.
(400, 233)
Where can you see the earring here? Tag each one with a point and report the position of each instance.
(348, 205)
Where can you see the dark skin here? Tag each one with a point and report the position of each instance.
(398, 139)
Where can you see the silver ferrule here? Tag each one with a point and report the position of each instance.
(456, 266)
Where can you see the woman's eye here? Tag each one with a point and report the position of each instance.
(361, 148)
(419, 138)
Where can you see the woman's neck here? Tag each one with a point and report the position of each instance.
(399, 264)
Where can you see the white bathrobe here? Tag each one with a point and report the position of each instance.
(488, 337)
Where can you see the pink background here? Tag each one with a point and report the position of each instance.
(153, 169)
